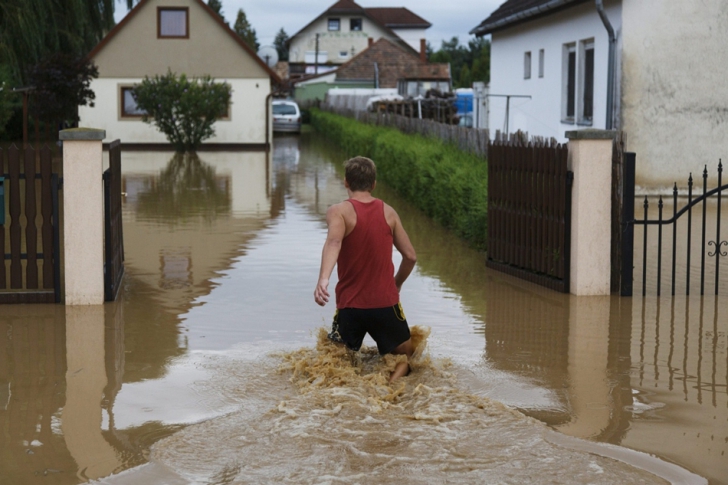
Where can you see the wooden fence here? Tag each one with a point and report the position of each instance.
(27, 229)
(466, 139)
(529, 212)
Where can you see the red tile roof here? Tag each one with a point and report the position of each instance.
(393, 63)
(397, 17)
(345, 6)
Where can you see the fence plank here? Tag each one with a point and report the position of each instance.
(3, 276)
(46, 207)
(16, 276)
(31, 231)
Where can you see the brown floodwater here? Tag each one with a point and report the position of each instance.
(210, 368)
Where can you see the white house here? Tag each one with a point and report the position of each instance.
(669, 93)
(345, 29)
(184, 36)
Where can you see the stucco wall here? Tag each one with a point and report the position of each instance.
(541, 115)
(334, 42)
(675, 88)
(135, 50)
(413, 37)
(246, 123)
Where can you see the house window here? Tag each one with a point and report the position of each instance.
(527, 65)
(334, 24)
(586, 82)
(568, 105)
(173, 23)
(355, 25)
(129, 108)
(343, 54)
(541, 56)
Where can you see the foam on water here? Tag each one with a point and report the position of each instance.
(326, 415)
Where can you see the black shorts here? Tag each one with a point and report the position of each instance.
(387, 326)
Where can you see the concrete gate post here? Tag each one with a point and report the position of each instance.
(590, 158)
(83, 216)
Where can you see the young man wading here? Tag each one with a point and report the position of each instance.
(362, 230)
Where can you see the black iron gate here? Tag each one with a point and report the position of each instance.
(710, 246)
(30, 235)
(113, 229)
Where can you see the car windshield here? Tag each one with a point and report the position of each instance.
(284, 109)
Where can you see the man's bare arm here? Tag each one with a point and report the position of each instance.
(404, 246)
(330, 253)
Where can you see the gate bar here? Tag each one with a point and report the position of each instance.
(718, 243)
(628, 176)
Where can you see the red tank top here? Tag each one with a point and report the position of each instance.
(365, 268)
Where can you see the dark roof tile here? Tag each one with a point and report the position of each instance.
(512, 12)
(397, 17)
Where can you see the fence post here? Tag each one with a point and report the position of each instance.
(590, 158)
(83, 217)
(627, 224)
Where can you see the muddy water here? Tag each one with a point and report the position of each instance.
(210, 368)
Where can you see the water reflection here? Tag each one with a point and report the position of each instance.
(221, 254)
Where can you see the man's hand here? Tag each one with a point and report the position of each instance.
(321, 294)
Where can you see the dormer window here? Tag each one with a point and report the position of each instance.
(355, 25)
(173, 23)
(334, 24)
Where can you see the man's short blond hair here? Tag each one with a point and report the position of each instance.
(360, 173)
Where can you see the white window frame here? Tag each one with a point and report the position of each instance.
(527, 65)
(331, 21)
(567, 49)
(541, 59)
(584, 46)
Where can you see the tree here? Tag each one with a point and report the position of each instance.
(216, 7)
(246, 32)
(467, 63)
(8, 101)
(33, 29)
(181, 108)
(62, 83)
(281, 44)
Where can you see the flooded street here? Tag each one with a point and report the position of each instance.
(210, 368)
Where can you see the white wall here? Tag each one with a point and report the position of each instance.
(412, 37)
(542, 114)
(245, 125)
(675, 88)
(333, 42)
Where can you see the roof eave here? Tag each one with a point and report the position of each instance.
(523, 16)
(409, 26)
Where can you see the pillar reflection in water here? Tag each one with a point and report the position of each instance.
(59, 366)
(85, 383)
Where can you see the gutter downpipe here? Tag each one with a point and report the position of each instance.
(376, 76)
(267, 121)
(610, 67)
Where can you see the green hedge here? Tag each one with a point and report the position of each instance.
(447, 184)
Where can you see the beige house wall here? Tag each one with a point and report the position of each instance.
(135, 51)
(338, 41)
(246, 123)
(674, 90)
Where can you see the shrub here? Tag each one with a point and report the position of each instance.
(447, 184)
(181, 108)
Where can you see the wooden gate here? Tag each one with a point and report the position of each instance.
(529, 212)
(113, 230)
(30, 271)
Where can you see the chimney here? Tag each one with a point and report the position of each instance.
(423, 50)
(371, 41)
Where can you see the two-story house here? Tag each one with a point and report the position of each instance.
(345, 29)
(185, 37)
(663, 84)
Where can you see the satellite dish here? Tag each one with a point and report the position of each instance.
(269, 54)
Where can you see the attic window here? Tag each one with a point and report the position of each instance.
(173, 23)
(334, 24)
(355, 25)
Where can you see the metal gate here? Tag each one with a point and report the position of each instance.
(706, 243)
(30, 235)
(113, 229)
(529, 212)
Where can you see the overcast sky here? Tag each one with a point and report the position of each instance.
(448, 18)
